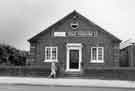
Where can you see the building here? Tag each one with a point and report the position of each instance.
(127, 53)
(76, 44)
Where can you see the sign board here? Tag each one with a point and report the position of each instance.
(82, 33)
(59, 34)
(76, 34)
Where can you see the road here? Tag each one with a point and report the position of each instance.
(57, 88)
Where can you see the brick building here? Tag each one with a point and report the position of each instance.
(76, 44)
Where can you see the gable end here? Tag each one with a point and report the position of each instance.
(70, 15)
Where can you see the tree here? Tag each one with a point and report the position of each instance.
(12, 56)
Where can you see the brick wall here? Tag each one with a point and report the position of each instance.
(102, 39)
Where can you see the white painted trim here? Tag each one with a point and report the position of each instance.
(76, 23)
(51, 60)
(74, 45)
(71, 46)
(97, 61)
(59, 34)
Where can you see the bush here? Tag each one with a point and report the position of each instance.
(12, 56)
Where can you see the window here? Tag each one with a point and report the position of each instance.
(97, 54)
(94, 34)
(50, 54)
(32, 50)
(74, 25)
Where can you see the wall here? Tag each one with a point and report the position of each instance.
(110, 46)
(127, 57)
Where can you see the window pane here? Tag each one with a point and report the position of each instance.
(48, 53)
(94, 52)
(100, 53)
(94, 34)
(53, 53)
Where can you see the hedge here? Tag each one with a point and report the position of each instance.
(119, 73)
(24, 71)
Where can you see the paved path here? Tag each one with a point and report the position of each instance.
(67, 82)
(57, 88)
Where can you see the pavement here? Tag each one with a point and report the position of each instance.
(67, 82)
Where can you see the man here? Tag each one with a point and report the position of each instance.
(53, 70)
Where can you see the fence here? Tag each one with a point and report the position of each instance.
(35, 71)
(119, 73)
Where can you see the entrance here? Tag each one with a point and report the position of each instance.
(74, 57)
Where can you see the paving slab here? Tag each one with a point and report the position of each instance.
(67, 82)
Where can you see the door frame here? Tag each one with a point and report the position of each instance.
(70, 46)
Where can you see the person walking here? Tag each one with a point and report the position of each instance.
(53, 70)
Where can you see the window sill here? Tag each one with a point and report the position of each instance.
(49, 61)
(95, 61)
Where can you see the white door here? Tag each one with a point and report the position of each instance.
(74, 57)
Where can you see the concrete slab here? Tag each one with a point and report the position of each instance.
(67, 82)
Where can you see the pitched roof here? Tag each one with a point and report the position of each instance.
(68, 16)
(127, 43)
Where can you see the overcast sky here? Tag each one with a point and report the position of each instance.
(22, 19)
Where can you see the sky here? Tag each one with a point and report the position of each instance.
(22, 19)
